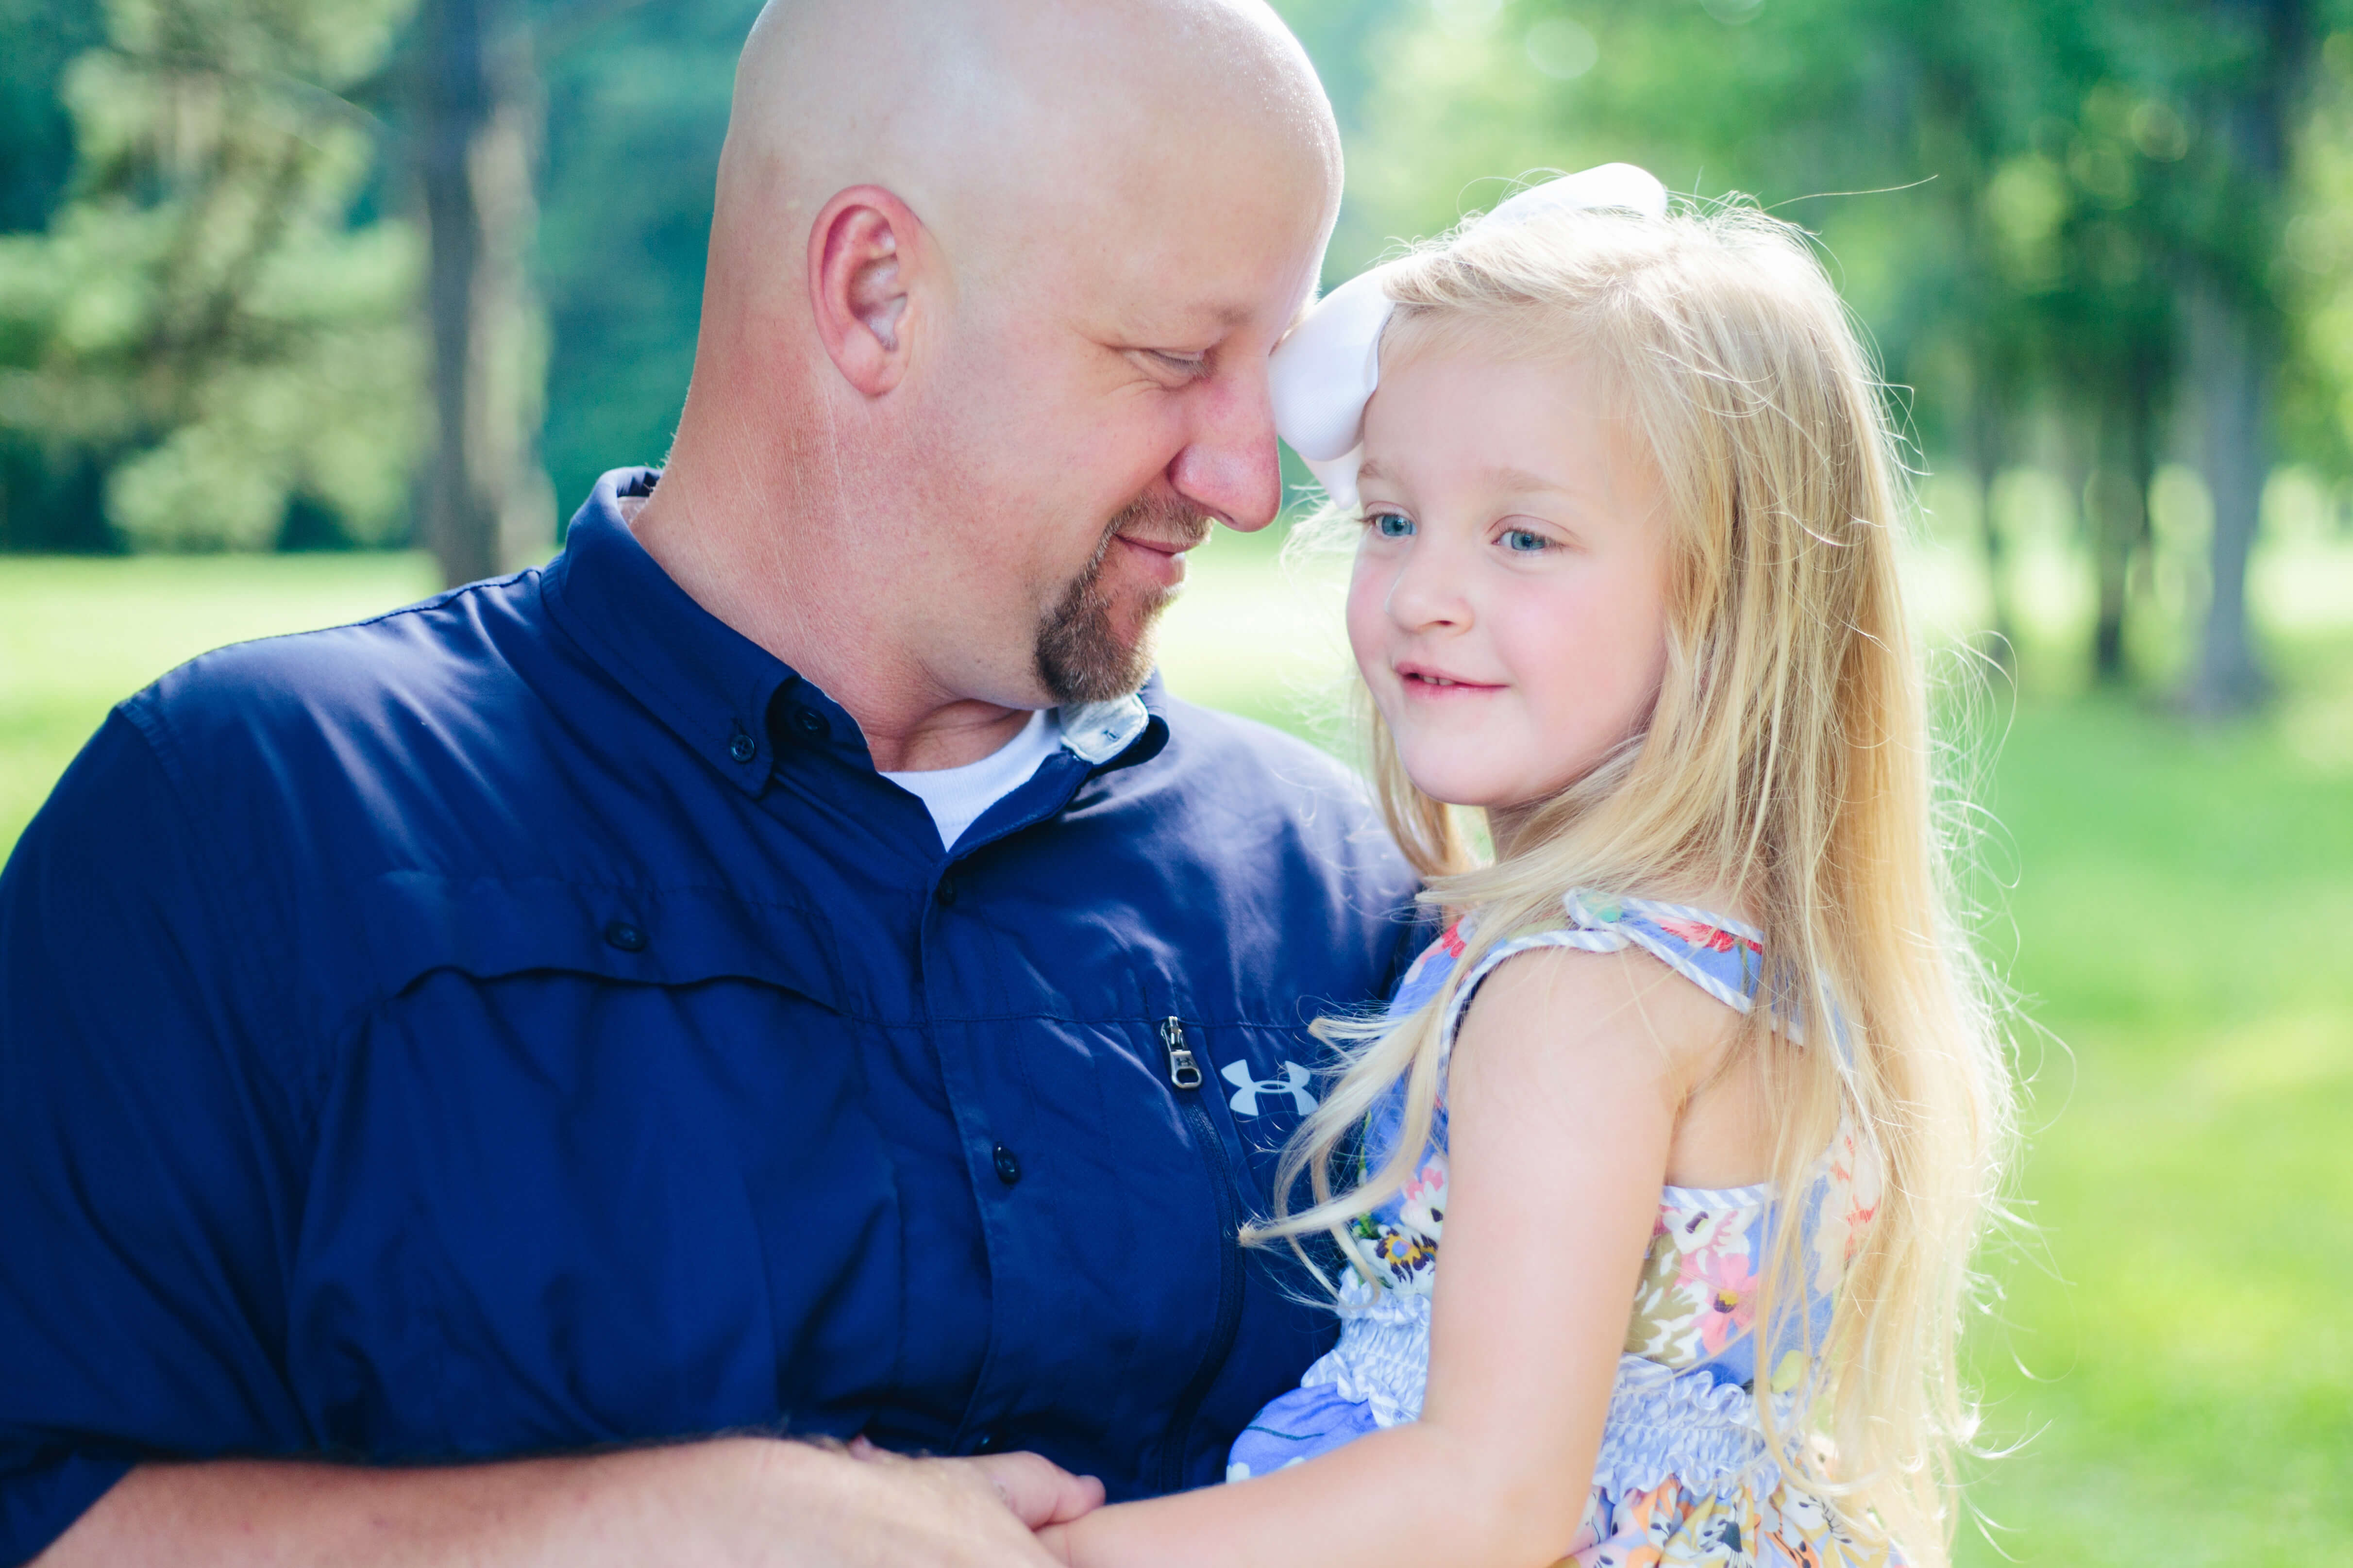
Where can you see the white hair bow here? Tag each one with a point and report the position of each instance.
(1323, 373)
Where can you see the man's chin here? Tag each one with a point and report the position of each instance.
(1100, 657)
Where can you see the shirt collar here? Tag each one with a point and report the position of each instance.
(709, 683)
(716, 689)
(1098, 731)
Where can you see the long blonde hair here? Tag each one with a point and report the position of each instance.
(1788, 757)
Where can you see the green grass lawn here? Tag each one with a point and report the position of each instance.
(2172, 1347)
(2171, 1342)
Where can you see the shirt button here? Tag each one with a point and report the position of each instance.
(985, 1443)
(1008, 1164)
(625, 936)
(810, 722)
(946, 893)
(743, 748)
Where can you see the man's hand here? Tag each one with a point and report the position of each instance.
(1038, 1491)
(736, 1502)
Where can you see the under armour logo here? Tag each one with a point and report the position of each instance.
(1293, 1082)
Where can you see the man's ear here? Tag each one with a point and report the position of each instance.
(866, 249)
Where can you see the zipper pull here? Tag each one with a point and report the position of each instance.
(1183, 1070)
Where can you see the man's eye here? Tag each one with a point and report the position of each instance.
(1526, 541)
(1391, 524)
(1183, 364)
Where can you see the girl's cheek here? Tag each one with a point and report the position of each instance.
(1368, 587)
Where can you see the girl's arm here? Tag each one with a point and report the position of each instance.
(1565, 1087)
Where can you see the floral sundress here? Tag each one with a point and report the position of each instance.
(1684, 1474)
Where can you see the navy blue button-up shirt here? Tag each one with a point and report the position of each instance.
(526, 1020)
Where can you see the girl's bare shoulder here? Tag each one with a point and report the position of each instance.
(1565, 999)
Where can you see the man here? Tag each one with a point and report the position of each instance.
(768, 973)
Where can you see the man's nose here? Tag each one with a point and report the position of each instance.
(1229, 464)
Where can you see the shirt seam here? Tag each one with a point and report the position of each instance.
(656, 888)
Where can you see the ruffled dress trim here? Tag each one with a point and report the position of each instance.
(1663, 1425)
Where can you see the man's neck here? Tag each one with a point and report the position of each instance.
(909, 723)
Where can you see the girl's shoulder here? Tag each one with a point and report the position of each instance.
(1720, 954)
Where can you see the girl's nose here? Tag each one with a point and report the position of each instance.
(1427, 594)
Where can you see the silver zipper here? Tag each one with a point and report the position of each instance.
(1183, 1070)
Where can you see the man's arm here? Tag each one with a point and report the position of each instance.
(733, 1500)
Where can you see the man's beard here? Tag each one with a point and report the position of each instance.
(1080, 656)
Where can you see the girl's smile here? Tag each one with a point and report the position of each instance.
(1421, 681)
(1508, 605)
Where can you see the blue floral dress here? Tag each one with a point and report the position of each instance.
(1684, 1474)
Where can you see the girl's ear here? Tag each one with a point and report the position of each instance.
(866, 253)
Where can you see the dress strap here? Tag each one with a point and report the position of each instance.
(1722, 956)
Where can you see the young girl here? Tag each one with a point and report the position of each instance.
(1699, 1089)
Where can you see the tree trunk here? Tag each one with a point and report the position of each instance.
(1988, 452)
(2231, 369)
(487, 504)
(2116, 504)
(2232, 348)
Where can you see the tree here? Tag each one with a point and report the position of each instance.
(2080, 205)
(199, 322)
(2235, 343)
(637, 98)
(487, 504)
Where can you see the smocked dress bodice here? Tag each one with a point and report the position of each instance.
(1684, 1473)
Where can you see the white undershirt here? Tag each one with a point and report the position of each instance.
(958, 796)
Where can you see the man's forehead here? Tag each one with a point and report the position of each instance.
(1220, 317)
(1179, 316)
(1206, 279)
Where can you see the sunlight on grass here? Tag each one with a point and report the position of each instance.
(2176, 1356)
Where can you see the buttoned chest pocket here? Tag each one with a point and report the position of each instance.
(567, 1184)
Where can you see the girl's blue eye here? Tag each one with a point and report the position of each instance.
(1524, 542)
(1391, 524)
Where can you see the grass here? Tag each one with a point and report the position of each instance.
(2171, 1342)
(2171, 1347)
(2168, 1347)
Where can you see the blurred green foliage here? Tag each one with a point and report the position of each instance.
(637, 106)
(202, 321)
(2086, 237)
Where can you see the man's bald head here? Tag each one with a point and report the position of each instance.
(1003, 124)
(992, 286)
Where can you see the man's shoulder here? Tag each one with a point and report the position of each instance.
(417, 650)
(456, 646)
(1285, 854)
(326, 755)
(1269, 798)
(1270, 765)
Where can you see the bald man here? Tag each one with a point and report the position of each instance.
(605, 1065)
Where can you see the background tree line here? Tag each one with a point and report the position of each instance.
(288, 274)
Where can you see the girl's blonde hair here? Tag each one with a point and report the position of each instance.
(1787, 758)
